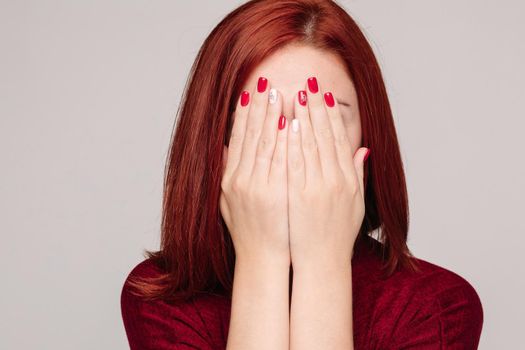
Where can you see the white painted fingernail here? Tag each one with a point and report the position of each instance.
(273, 96)
(295, 125)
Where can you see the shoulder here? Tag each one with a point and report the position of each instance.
(145, 268)
(445, 291)
(447, 307)
(144, 271)
(430, 282)
(161, 324)
(437, 281)
(432, 307)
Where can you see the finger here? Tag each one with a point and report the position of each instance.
(309, 146)
(266, 145)
(237, 133)
(278, 169)
(322, 130)
(296, 163)
(342, 143)
(360, 157)
(254, 124)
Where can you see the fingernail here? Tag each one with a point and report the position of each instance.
(282, 122)
(312, 85)
(329, 99)
(245, 98)
(272, 97)
(295, 125)
(366, 155)
(302, 97)
(261, 84)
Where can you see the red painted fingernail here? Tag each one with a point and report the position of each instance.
(329, 99)
(302, 97)
(367, 154)
(312, 85)
(282, 122)
(261, 84)
(245, 98)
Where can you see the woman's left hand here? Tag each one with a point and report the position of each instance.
(325, 182)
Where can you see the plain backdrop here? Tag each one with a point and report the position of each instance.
(88, 96)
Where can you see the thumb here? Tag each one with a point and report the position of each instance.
(223, 207)
(359, 163)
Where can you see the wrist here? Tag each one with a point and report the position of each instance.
(261, 259)
(329, 263)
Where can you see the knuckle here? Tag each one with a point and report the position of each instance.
(354, 189)
(262, 154)
(336, 185)
(281, 138)
(262, 158)
(237, 185)
(325, 132)
(257, 195)
(309, 144)
(265, 143)
(224, 185)
(341, 139)
(277, 159)
(252, 132)
(296, 163)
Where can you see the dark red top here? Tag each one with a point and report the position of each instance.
(433, 309)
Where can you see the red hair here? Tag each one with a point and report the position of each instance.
(196, 253)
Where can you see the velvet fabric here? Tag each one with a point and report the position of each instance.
(432, 309)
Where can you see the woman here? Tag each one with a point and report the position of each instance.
(283, 165)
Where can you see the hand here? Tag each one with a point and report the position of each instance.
(254, 198)
(325, 182)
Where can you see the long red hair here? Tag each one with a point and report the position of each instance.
(196, 253)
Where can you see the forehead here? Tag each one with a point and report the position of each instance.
(288, 69)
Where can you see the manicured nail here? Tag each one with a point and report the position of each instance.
(367, 154)
(282, 122)
(261, 84)
(295, 125)
(245, 98)
(329, 99)
(272, 97)
(302, 97)
(312, 85)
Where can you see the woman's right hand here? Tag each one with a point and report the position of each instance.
(254, 198)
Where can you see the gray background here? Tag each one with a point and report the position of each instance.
(88, 95)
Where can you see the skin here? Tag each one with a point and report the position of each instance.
(294, 198)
